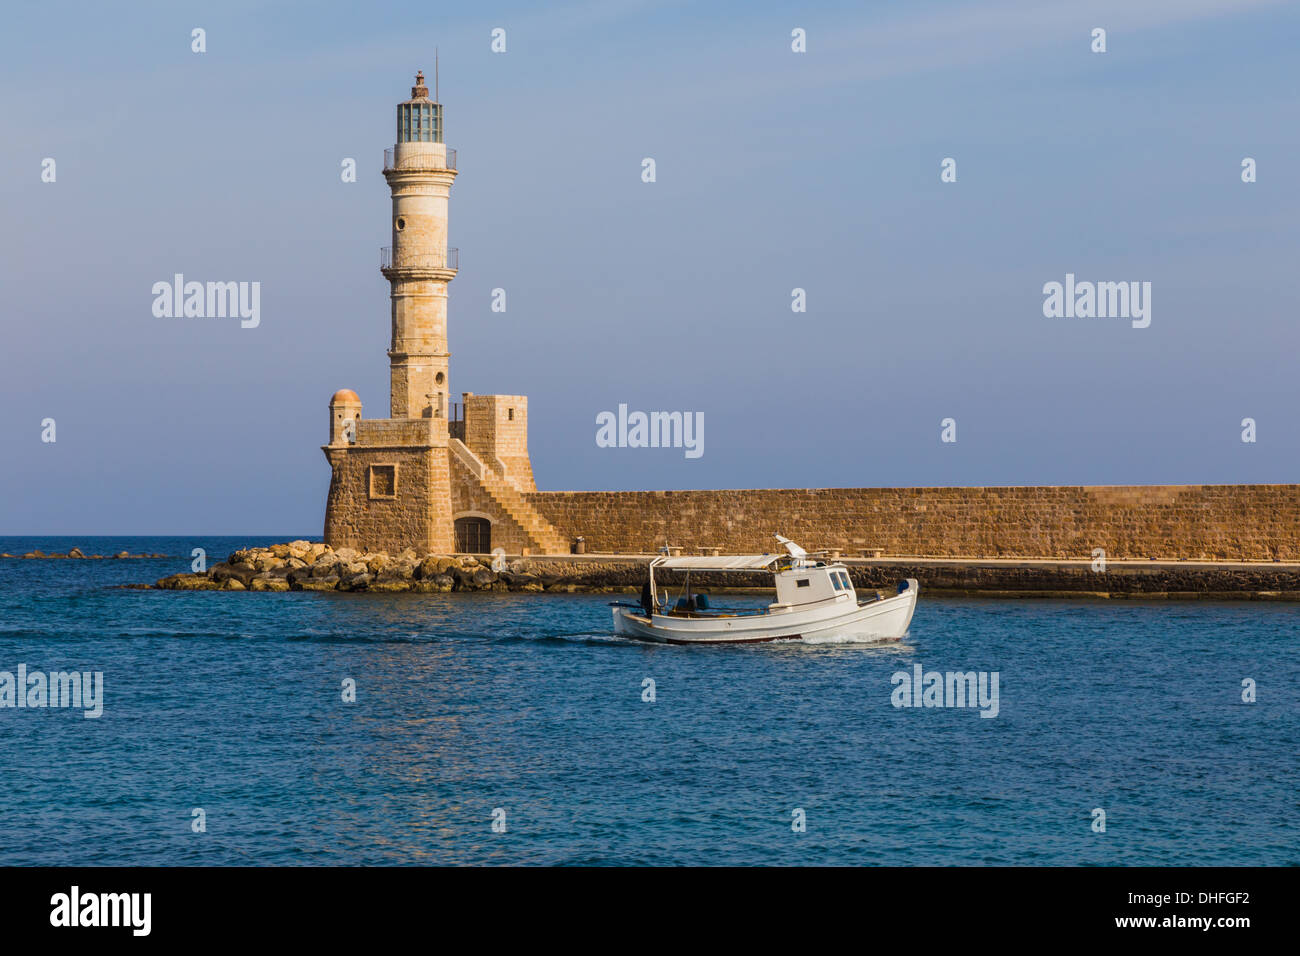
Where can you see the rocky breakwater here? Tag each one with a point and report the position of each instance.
(312, 566)
(77, 554)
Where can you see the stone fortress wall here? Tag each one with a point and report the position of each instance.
(1196, 522)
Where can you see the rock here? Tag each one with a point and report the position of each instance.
(297, 576)
(400, 569)
(320, 584)
(268, 582)
(484, 578)
(280, 550)
(76, 553)
(347, 555)
(242, 556)
(318, 548)
(390, 583)
(233, 584)
(189, 582)
(434, 565)
(376, 562)
(293, 562)
(222, 572)
(356, 582)
(438, 583)
(325, 566)
(268, 563)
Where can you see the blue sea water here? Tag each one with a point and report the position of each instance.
(231, 702)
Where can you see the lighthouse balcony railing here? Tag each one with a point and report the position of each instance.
(418, 160)
(419, 260)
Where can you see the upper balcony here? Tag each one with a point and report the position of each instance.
(418, 160)
(424, 261)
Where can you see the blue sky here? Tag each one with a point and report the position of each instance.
(775, 170)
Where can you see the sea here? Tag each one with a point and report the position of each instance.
(495, 728)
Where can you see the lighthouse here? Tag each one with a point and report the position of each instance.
(435, 476)
(419, 264)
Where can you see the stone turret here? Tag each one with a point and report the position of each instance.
(345, 412)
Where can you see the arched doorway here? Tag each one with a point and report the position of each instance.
(473, 536)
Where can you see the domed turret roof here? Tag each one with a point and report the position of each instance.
(345, 395)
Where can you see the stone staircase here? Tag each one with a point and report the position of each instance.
(542, 536)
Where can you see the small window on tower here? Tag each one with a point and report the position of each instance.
(510, 414)
(383, 481)
(401, 224)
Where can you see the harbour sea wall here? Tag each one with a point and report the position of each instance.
(1194, 522)
(308, 566)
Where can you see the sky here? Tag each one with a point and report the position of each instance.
(775, 170)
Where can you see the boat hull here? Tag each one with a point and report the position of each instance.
(883, 620)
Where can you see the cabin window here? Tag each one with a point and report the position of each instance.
(801, 583)
(844, 577)
(835, 580)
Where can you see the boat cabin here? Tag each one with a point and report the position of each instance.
(800, 582)
(809, 584)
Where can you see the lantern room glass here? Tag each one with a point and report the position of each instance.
(419, 123)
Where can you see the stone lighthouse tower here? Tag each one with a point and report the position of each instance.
(434, 476)
(420, 170)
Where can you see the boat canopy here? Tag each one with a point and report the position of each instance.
(725, 562)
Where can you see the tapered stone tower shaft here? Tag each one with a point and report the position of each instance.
(420, 170)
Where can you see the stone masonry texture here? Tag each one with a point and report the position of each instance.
(1197, 522)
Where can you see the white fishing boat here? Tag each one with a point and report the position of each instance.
(814, 599)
